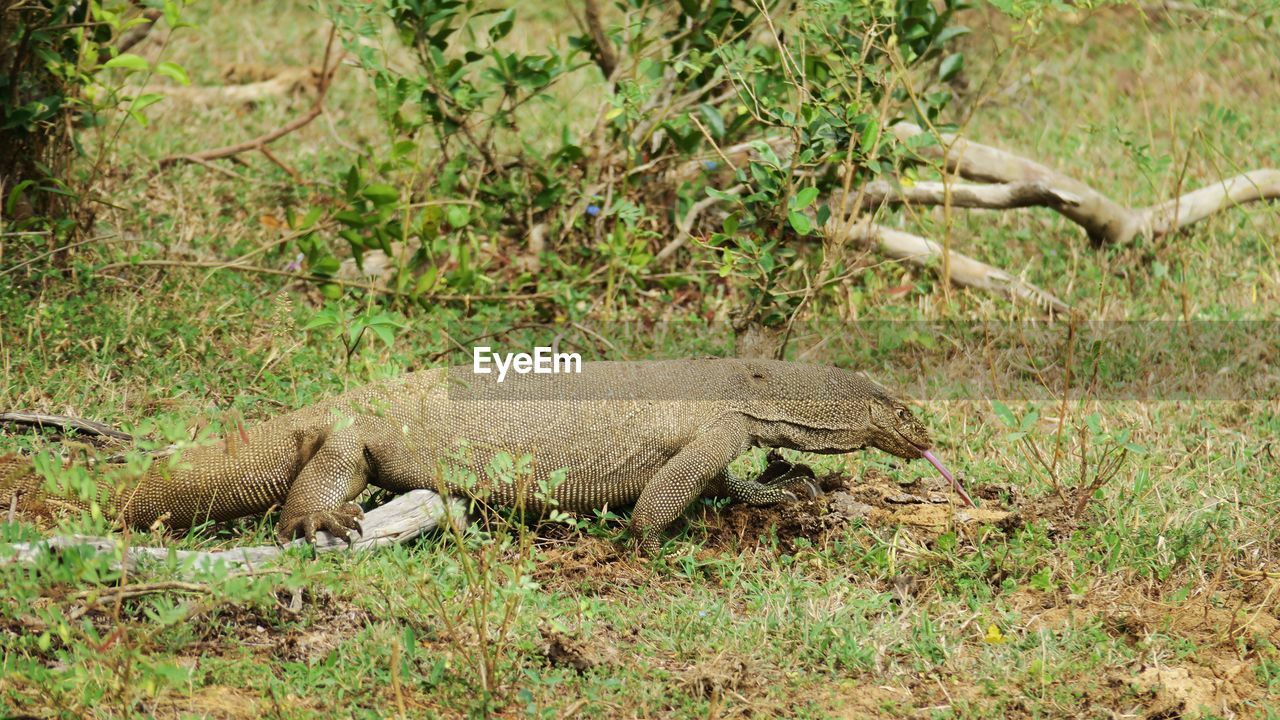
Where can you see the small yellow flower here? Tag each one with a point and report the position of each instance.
(994, 636)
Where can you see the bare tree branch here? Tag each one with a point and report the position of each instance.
(1105, 221)
(1175, 214)
(684, 228)
(965, 271)
(285, 82)
(327, 70)
(966, 195)
(605, 56)
(401, 519)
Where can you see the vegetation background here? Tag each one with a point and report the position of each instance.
(518, 178)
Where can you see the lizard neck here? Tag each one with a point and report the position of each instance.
(798, 436)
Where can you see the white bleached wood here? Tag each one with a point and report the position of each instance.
(965, 271)
(399, 520)
(1105, 221)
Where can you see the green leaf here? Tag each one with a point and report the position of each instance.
(952, 32)
(426, 281)
(721, 195)
(804, 198)
(501, 28)
(951, 66)
(1094, 421)
(128, 61)
(1004, 413)
(384, 333)
(799, 222)
(327, 265)
(381, 193)
(731, 222)
(171, 13)
(173, 71)
(310, 218)
(870, 138)
(715, 122)
(457, 216)
(143, 102)
(324, 318)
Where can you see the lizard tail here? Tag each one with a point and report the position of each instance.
(23, 489)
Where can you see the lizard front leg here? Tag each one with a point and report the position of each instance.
(778, 483)
(779, 474)
(320, 497)
(681, 480)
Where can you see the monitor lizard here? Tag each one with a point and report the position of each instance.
(655, 435)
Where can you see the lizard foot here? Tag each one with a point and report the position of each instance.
(338, 522)
(753, 493)
(780, 472)
(781, 481)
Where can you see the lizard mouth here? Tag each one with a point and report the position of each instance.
(955, 484)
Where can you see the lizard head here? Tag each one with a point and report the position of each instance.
(895, 429)
(825, 409)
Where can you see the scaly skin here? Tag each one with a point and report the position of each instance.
(653, 435)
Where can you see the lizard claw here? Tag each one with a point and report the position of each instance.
(808, 487)
(338, 522)
(784, 474)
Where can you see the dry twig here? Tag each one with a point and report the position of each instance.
(63, 423)
(327, 70)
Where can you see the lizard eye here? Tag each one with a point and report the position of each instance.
(904, 414)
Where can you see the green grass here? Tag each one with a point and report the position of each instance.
(1051, 618)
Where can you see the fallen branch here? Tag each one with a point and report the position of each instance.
(965, 271)
(1173, 215)
(63, 423)
(965, 195)
(401, 519)
(286, 82)
(1167, 8)
(1105, 221)
(259, 143)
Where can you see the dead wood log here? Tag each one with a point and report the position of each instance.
(965, 271)
(1103, 219)
(284, 83)
(399, 520)
(967, 195)
(327, 70)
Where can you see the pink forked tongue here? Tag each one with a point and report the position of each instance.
(950, 478)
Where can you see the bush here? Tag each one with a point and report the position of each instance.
(62, 69)
(738, 116)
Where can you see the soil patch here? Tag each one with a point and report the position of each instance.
(925, 508)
